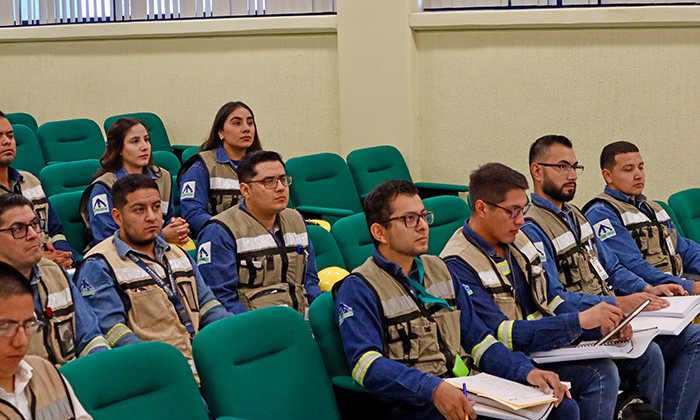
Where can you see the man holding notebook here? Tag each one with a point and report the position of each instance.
(406, 324)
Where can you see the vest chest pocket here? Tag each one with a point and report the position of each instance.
(150, 307)
(448, 322)
(64, 334)
(403, 339)
(275, 295)
(508, 306)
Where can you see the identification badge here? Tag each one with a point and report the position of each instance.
(598, 267)
(669, 244)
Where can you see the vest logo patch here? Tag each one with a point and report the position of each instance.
(467, 289)
(604, 230)
(344, 313)
(204, 253)
(539, 246)
(99, 204)
(86, 289)
(187, 190)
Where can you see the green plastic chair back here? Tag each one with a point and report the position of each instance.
(673, 216)
(68, 176)
(142, 381)
(686, 205)
(188, 153)
(263, 364)
(29, 156)
(156, 129)
(353, 239)
(374, 165)
(450, 214)
(172, 164)
(71, 140)
(67, 207)
(322, 185)
(24, 119)
(325, 249)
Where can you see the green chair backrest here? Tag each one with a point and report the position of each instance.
(24, 119)
(673, 216)
(171, 163)
(450, 213)
(353, 239)
(322, 321)
(71, 140)
(29, 156)
(67, 207)
(156, 129)
(374, 165)
(188, 153)
(326, 250)
(68, 176)
(142, 381)
(263, 364)
(686, 205)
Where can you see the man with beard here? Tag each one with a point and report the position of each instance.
(589, 273)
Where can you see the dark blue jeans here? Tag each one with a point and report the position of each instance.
(682, 356)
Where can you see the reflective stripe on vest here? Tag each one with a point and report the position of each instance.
(224, 186)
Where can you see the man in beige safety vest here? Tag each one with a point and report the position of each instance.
(406, 323)
(141, 288)
(30, 387)
(71, 328)
(257, 253)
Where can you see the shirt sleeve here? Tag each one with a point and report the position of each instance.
(210, 309)
(689, 251)
(621, 279)
(58, 238)
(78, 409)
(313, 290)
(193, 206)
(88, 337)
(102, 225)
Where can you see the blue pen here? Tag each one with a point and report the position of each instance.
(298, 249)
(464, 389)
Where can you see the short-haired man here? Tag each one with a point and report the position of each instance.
(141, 288)
(71, 328)
(12, 181)
(405, 322)
(257, 253)
(30, 387)
(637, 230)
(586, 266)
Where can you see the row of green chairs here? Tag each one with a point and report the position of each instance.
(686, 206)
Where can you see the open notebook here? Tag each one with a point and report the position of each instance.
(671, 320)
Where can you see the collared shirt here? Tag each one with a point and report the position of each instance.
(625, 247)
(221, 270)
(18, 398)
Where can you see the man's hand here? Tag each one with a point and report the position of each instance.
(452, 403)
(547, 381)
(602, 315)
(671, 289)
(696, 288)
(177, 231)
(630, 302)
(62, 258)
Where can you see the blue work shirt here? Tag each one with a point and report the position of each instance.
(55, 227)
(111, 304)
(549, 332)
(220, 271)
(88, 338)
(358, 314)
(625, 247)
(622, 280)
(102, 225)
(194, 208)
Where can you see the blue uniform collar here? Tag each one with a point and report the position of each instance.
(121, 173)
(392, 268)
(641, 199)
(222, 156)
(277, 226)
(548, 205)
(14, 177)
(161, 247)
(35, 276)
(478, 241)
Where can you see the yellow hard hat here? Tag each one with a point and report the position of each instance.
(188, 246)
(319, 222)
(329, 276)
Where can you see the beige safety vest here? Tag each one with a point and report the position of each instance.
(163, 179)
(269, 274)
(651, 235)
(152, 317)
(30, 186)
(46, 392)
(224, 187)
(574, 257)
(425, 336)
(56, 341)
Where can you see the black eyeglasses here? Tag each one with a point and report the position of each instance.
(9, 328)
(19, 230)
(564, 167)
(514, 213)
(270, 182)
(411, 220)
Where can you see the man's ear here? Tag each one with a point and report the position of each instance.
(536, 172)
(480, 208)
(378, 232)
(245, 190)
(117, 216)
(607, 176)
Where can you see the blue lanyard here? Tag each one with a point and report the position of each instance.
(423, 294)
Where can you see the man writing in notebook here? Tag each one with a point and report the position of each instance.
(405, 323)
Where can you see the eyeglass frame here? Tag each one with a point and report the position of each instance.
(32, 325)
(285, 179)
(423, 216)
(560, 167)
(34, 224)
(514, 213)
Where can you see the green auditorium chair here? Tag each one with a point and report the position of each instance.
(142, 381)
(450, 213)
(171, 163)
(156, 129)
(29, 156)
(325, 248)
(322, 187)
(188, 152)
(672, 214)
(66, 205)
(374, 165)
(71, 140)
(24, 119)
(353, 239)
(68, 176)
(686, 205)
(264, 365)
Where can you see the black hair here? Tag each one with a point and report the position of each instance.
(213, 141)
(377, 205)
(13, 283)
(542, 145)
(11, 201)
(129, 184)
(607, 156)
(246, 167)
(492, 182)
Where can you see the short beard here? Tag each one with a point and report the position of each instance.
(139, 241)
(557, 193)
(7, 161)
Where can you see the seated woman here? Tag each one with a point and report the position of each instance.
(208, 181)
(128, 151)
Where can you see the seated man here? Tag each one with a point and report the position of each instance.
(406, 323)
(141, 288)
(56, 247)
(30, 387)
(638, 231)
(71, 326)
(257, 253)
(590, 273)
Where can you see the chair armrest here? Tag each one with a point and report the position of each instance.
(444, 187)
(326, 211)
(346, 382)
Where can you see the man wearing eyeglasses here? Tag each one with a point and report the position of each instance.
(257, 253)
(589, 273)
(71, 326)
(30, 387)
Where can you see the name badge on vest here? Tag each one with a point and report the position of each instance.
(598, 267)
(669, 244)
